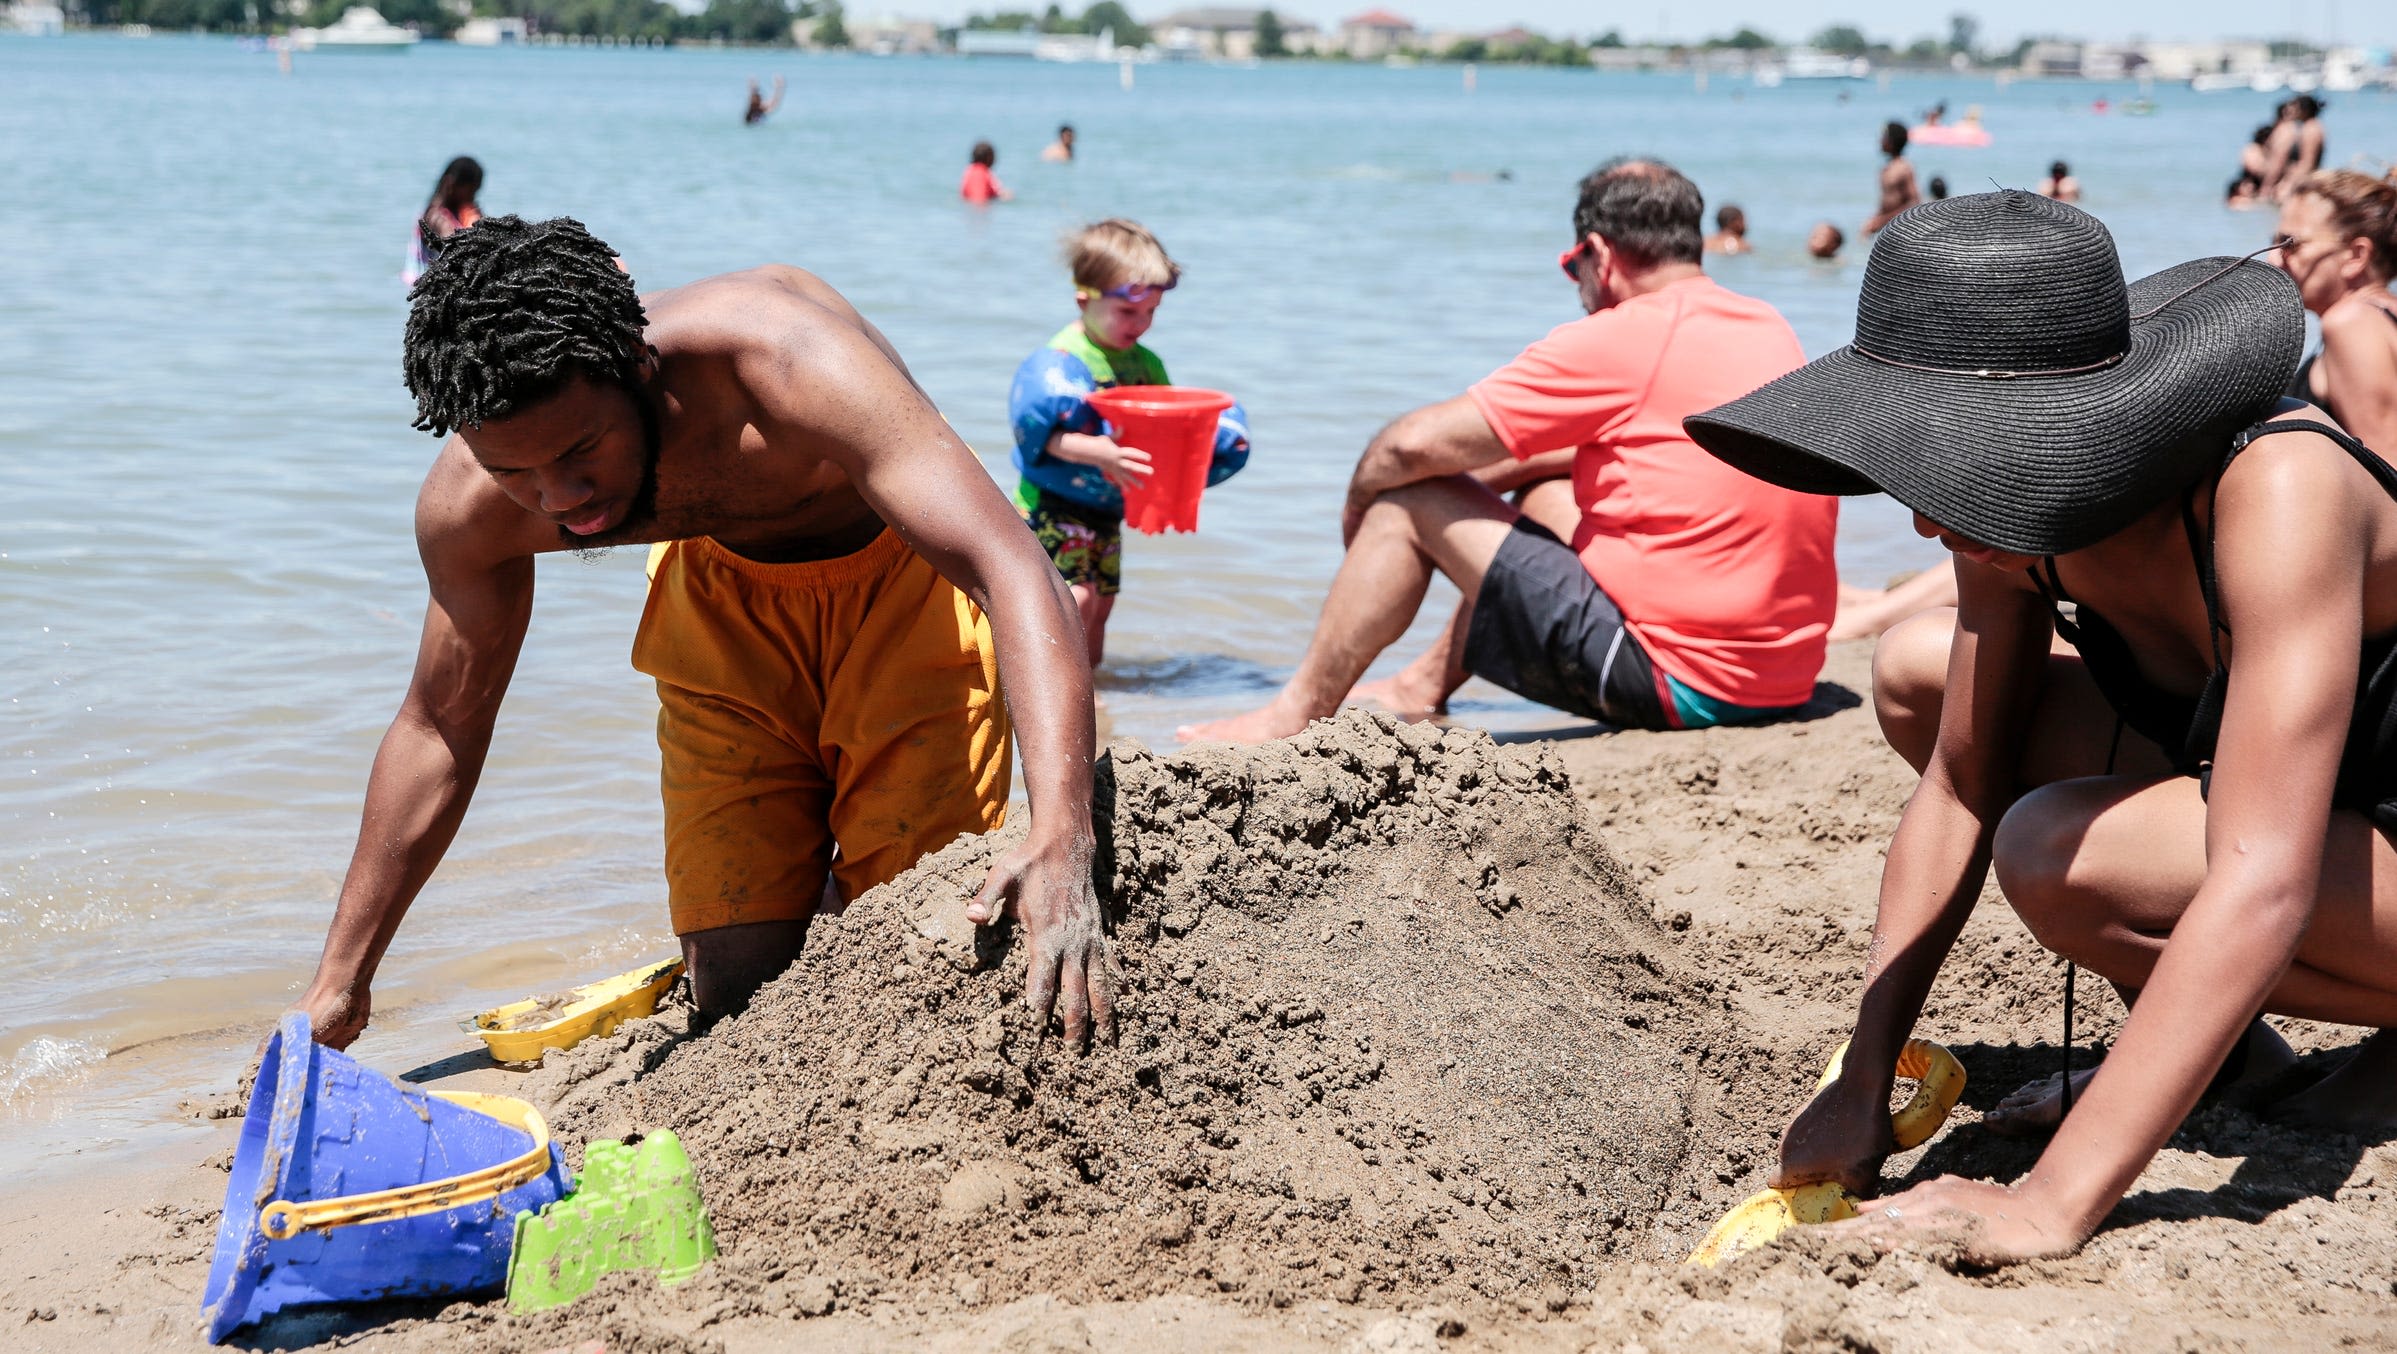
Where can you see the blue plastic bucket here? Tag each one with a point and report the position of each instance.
(320, 1126)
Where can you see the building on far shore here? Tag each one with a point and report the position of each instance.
(1228, 33)
(1375, 34)
(887, 35)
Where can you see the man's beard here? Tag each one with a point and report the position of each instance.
(643, 512)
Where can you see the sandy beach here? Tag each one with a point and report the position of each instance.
(1615, 961)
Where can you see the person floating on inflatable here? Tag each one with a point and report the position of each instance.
(1073, 473)
(1966, 132)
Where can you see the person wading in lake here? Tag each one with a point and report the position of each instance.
(760, 107)
(1898, 191)
(451, 209)
(2338, 238)
(2197, 802)
(2294, 150)
(839, 590)
(1691, 595)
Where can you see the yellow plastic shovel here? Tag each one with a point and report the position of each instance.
(520, 1032)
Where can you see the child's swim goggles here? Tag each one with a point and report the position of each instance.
(1134, 292)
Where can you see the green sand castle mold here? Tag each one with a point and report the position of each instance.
(633, 1208)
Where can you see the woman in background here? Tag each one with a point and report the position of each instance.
(2338, 234)
(451, 209)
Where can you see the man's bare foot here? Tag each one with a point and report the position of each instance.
(1400, 697)
(2039, 1105)
(2359, 1096)
(1257, 726)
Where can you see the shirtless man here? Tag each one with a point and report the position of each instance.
(1731, 232)
(1897, 179)
(827, 673)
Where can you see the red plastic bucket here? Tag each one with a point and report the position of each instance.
(1175, 425)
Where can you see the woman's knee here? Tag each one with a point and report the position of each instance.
(2035, 851)
(1910, 674)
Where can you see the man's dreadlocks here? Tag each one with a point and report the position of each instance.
(510, 311)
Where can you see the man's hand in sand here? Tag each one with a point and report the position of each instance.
(337, 1018)
(1072, 962)
(1991, 1224)
(1843, 1135)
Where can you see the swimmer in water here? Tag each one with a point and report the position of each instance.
(1731, 232)
(451, 209)
(1824, 240)
(761, 107)
(1061, 150)
(981, 185)
(2060, 184)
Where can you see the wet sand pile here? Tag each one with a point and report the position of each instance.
(1393, 1026)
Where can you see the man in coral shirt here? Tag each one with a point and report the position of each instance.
(1690, 594)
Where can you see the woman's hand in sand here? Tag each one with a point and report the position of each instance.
(1992, 1224)
(1842, 1135)
(1072, 962)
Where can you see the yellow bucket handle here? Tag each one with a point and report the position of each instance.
(1939, 1085)
(283, 1219)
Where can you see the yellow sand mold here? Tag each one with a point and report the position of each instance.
(1768, 1213)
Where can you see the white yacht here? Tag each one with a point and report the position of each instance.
(360, 29)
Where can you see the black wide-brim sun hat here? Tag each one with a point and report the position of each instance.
(2008, 385)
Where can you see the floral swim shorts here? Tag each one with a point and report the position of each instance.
(1086, 544)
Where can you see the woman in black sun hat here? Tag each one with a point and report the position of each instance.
(2195, 797)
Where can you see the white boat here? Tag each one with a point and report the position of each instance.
(1021, 43)
(508, 32)
(33, 20)
(1808, 63)
(360, 29)
(1075, 46)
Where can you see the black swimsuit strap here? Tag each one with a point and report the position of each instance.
(2202, 556)
(2379, 469)
(2051, 587)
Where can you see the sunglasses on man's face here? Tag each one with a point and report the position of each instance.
(1570, 260)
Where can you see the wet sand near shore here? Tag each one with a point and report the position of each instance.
(1754, 854)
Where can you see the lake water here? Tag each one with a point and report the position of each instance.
(208, 589)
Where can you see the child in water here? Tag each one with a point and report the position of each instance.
(980, 184)
(1073, 473)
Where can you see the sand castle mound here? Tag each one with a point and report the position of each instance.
(1393, 1025)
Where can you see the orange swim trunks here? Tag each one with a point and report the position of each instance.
(851, 700)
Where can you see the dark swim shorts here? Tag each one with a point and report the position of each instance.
(1086, 544)
(1543, 629)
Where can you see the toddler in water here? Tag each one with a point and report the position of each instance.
(980, 184)
(1072, 473)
